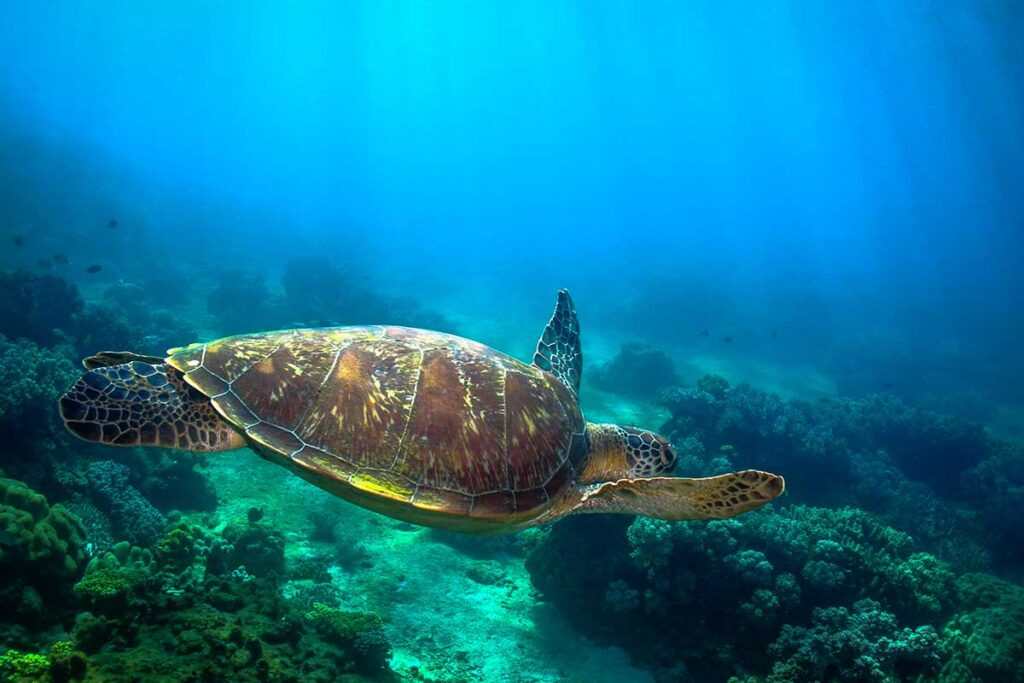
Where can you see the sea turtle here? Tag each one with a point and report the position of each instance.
(422, 426)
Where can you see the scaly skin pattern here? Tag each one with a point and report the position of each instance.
(625, 453)
(677, 498)
(144, 404)
(419, 425)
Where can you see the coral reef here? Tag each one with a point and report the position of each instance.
(31, 379)
(813, 593)
(170, 481)
(257, 548)
(133, 517)
(986, 638)
(41, 308)
(105, 328)
(136, 573)
(638, 370)
(863, 643)
(42, 552)
(876, 452)
(183, 612)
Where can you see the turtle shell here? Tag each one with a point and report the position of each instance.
(395, 417)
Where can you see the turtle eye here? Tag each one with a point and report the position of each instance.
(668, 456)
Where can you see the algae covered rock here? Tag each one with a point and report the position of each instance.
(359, 635)
(256, 547)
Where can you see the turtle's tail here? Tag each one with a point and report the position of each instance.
(142, 403)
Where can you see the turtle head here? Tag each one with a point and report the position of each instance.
(626, 453)
(143, 402)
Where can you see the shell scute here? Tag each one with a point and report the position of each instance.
(363, 408)
(422, 418)
(274, 437)
(384, 483)
(538, 432)
(456, 432)
(438, 500)
(281, 386)
(531, 499)
(494, 504)
(230, 358)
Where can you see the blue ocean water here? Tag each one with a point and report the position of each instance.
(793, 233)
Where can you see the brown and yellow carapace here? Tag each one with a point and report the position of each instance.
(419, 425)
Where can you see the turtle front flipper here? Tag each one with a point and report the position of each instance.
(140, 403)
(675, 498)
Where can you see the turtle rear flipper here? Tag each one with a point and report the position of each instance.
(144, 404)
(674, 498)
(558, 350)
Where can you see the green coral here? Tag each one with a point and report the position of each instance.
(62, 649)
(179, 548)
(109, 585)
(24, 665)
(985, 639)
(864, 643)
(124, 555)
(111, 579)
(361, 631)
(31, 377)
(39, 540)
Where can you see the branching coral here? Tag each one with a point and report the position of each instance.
(133, 517)
(876, 452)
(752, 575)
(864, 643)
(31, 379)
(985, 639)
(36, 307)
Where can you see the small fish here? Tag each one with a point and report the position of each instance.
(112, 223)
(704, 332)
(775, 334)
(19, 240)
(887, 385)
(44, 263)
(93, 269)
(727, 340)
(61, 258)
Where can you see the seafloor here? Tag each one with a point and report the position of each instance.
(895, 555)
